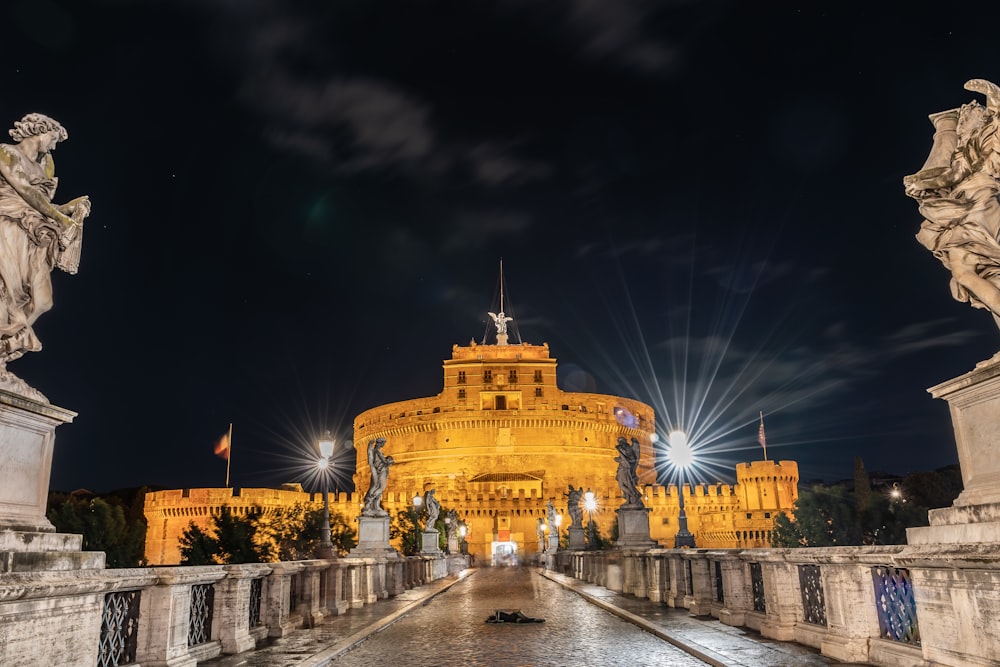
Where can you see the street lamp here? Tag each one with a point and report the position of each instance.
(681, 456)
(590, 504)
(325, 451)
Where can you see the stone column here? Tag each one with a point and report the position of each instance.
(164, 616)
(281, 619)
(395, 577)
(945, 139)
(658, 577)
(783, 598)
(850, 612)
(700, 600)
(233, 597)
(336, 600)
(737, 594)
(677, 592)
(310, 594)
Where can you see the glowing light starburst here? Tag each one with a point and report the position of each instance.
(708, 372)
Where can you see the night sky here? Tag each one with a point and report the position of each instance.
(300, 206)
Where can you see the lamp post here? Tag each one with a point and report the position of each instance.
(590, 504)
(417, 501)
(325, 451)
(681, 456)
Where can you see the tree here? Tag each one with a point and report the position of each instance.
(197, 547)
(862, 486)
(785, 533)
(232, 539)
(103, 525)
(255, 536)
(240, 537)
(296, 532)
(405, 527)
(933, 490)
(824, 517)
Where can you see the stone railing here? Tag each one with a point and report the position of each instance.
(891, 605)
(180, 615)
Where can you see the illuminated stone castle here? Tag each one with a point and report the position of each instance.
(497, 444)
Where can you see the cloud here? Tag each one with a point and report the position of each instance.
(474, 229)
(615, 30)
(495, 165)
(361, 123)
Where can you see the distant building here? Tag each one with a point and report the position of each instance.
(498, 443)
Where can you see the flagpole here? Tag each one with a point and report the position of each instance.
(229, 452)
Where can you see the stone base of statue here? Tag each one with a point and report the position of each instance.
(373, 538)
(27, 437)
(974, 399)
(633, 528)
(453, 545)
(553, 540)
(429, 542)
(49, 587)
(576, 539)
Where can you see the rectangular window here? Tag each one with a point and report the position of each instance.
(501, 402)
(487, 376)
(767, 515)
(461, 393)
(538, 376)
(513, 377)
(749, 515)
(538, 392)
(461, 377)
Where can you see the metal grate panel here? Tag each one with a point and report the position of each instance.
(757, 588)
(896, 607)
(813, 600)
(256, 591)
(720, 595)
(200, 619)
(119, 625)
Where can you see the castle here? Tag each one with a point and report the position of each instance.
(498, 444)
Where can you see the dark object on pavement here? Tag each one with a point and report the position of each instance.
(512, 617)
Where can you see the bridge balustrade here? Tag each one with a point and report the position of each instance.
(882, 605)
(187, 614)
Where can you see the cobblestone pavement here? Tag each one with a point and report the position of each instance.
(450, 630)
(442, 624)
(705, 637)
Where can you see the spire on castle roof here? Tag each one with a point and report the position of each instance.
(500, 319)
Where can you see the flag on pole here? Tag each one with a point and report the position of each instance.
(760, 435)
(222, 446)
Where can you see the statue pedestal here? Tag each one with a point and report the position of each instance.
(633, 529)
(974, 399)
(28, 541)
(429, 542)
(27, 436)
(576, 539)
(553, 543)
(373, 538)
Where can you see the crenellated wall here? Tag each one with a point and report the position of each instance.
(716, 514)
